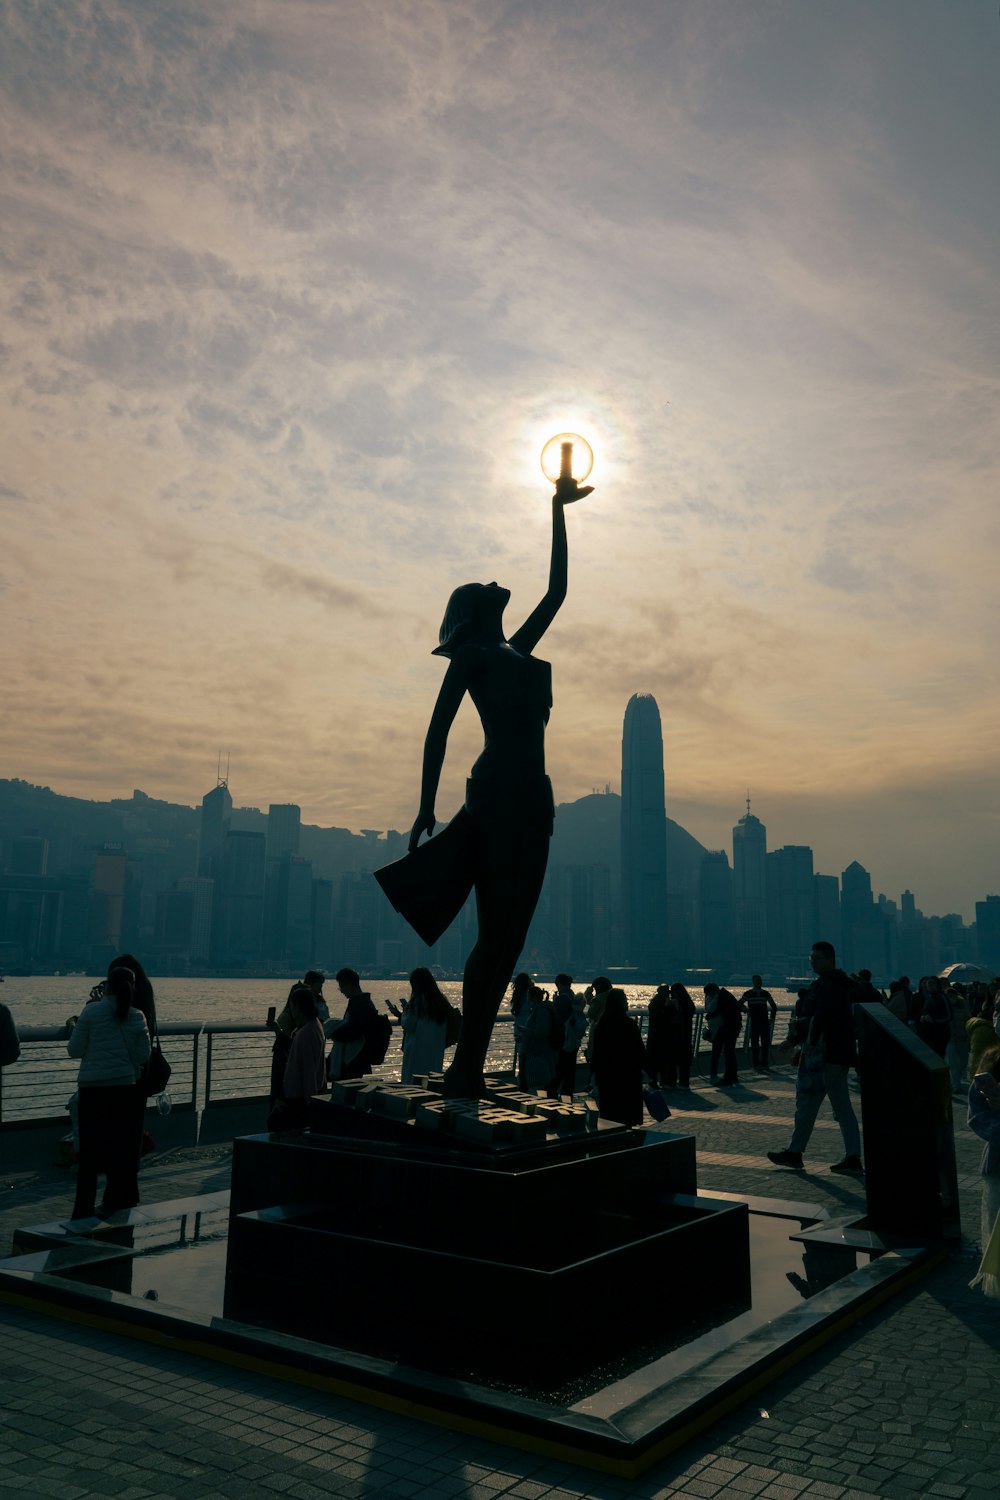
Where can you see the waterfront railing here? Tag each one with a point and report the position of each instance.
(219, 1083)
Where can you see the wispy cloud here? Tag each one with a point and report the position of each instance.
(290, 288)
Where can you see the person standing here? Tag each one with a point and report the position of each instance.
(957, 1055)
(685, 1005)
(617, 1059)
(537, 1052)
(424, 1020)
(145, 1002)
(865, 992)
(827, 1055)
(568, 1008)
(934, 1021)
(305, 1074)
(662, 1017)
(722, 1010)
(352, 1036)
(594, 998)
(314, 980)
(112, 1043)
(10, 1042)
(984, 1119)
(981, 1033)
(668, 1039)
(758, 1005)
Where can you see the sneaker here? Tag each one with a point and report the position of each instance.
(786, 1159)
(850, 1166)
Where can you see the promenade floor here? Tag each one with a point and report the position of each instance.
(906, 1403)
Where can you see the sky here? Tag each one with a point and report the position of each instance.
(295, 290)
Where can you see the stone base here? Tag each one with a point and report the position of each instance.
(432, 1250)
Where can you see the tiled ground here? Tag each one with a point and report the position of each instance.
(905, 1404)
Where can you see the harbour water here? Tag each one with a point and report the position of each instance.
(47, 1000)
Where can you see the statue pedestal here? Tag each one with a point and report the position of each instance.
(491, 1261)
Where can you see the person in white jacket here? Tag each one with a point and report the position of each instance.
(112, 1042)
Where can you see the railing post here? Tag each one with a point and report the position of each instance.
(194, 1069)
(208, 1067)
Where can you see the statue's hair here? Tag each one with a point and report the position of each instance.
(460, 619)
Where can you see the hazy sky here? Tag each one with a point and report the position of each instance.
(294, 291)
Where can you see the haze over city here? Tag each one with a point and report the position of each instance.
(295, 292)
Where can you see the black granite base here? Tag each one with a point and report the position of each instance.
(468, 1262)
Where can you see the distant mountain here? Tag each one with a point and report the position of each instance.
(588, 832)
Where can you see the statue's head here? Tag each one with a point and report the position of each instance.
(474, 613)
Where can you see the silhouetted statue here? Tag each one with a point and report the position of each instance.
(498, 843)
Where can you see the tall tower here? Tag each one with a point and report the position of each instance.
(644, 838)
(216, 814)
(283, 823)
(750, 890)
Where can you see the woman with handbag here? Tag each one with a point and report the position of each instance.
(112, 1043)
(156, 1074)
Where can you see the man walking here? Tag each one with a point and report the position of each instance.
(826, 1057)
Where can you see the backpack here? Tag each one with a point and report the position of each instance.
(379, 1035)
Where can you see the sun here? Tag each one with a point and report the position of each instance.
(552, 419)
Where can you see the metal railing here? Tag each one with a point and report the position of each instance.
(214, 1065)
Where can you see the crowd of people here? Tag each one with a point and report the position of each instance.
(565, 1041)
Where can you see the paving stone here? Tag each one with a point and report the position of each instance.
(865, 1416)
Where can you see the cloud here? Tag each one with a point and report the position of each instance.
(292, 292)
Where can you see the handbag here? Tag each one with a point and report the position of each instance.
(158, 1070)
(656, 1104)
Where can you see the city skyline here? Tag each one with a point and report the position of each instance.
(294, 293)
(255, 816)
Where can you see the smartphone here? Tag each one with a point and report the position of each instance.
(270, 1015)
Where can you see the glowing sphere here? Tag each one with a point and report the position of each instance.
(554, 456)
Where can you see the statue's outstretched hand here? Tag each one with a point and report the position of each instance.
(424, 824)
(567, 490)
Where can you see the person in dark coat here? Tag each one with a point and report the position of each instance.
(722, 1010)
(685, 1005)
(354, 1032)
(617, 1060)
(668, 1039)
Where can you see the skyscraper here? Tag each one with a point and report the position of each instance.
(241, 899)
(644, 837)
(216, 815)
(791, 905)
(750, 890)
(283, 822)
(716, 927)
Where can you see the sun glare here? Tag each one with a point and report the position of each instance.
(581, 418)
(582, 456)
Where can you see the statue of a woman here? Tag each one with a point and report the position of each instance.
(508, 811)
